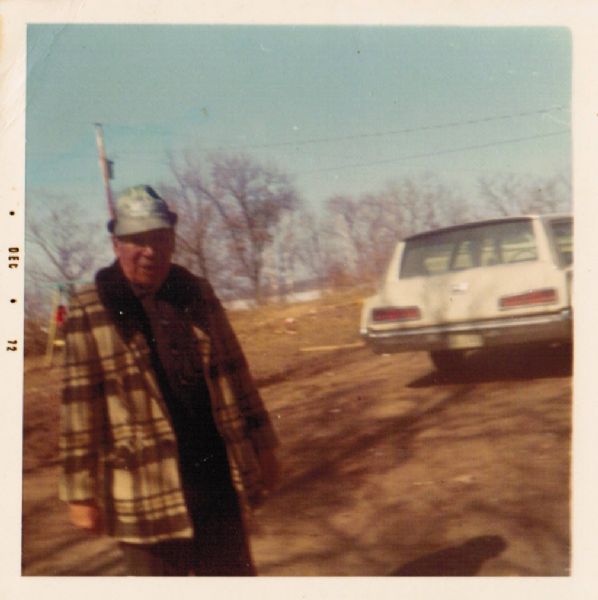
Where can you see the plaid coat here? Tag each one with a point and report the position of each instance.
(117, 442)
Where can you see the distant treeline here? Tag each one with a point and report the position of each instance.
(243, 225)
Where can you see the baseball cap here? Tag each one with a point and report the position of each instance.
(138, 209)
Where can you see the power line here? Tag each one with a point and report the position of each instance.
(407, 157)
(357, 136)
(136, 156)
(437, 153)
(392, 132)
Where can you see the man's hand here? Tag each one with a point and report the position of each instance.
(86, 515)
(270, 468)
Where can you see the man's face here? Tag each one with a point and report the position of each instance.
(145, 257)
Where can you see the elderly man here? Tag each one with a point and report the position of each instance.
(164, 439)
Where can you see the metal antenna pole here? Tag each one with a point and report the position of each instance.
(104, 167)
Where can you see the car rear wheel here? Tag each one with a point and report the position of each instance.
(448, 360)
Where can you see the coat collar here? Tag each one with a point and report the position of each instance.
(180, 289)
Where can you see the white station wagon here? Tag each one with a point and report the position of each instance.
(480, 285)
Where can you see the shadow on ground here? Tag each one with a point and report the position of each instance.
(376, 474)
(508, 364)
(456, 561)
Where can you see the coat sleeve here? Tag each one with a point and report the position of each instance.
(232, 362)
(81, 410)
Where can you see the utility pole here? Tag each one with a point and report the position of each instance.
(105, 167)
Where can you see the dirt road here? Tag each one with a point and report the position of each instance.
(390, 469)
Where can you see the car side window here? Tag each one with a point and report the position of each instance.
(562, 232)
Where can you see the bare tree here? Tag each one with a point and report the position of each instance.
(348, 226)
(201, 241)
(424, 203)
(516, 194)
(296, 259)
(367, 228)
(230, 216)
(310, 248)
(70, 246)
(63, 248)
(251, 200)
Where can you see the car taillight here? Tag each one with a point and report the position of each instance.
(393, 313)
(546, 296)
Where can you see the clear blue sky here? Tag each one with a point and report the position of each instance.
(341, 109)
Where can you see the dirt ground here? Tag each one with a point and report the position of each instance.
(389, 467)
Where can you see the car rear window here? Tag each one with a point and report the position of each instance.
(562, 233)
(468, 247)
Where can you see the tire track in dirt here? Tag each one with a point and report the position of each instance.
(386, 462)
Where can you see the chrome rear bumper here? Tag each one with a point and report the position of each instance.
(545, 328)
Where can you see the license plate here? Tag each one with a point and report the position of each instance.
(465, 340)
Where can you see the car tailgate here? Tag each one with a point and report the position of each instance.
(474, 294)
